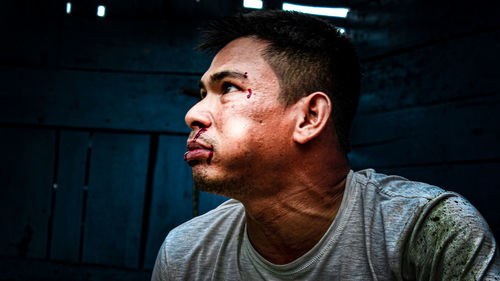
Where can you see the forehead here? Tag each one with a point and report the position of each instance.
(243, 55)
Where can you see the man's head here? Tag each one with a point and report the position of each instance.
(307, 55)
(266, 107)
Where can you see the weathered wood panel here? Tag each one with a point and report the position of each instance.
(474, 181)
(208, 201)
(383, 27)
(24, 95)
(26, 167)
(451, 70)
(68, 205)
(165, 47)
(95, 100)
(172, 199)
(38, 270)
(30, 32)
(42, 34)
(456, 131)
(115, 199)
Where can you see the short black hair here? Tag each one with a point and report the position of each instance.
(307, 53)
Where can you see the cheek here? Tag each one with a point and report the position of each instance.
(244, 127)
(236, 128)
(235, 120)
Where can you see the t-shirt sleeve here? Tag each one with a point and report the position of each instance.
(160, 270)
(451, 241)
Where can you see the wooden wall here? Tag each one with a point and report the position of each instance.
(92, 130)
(92, 137)
(431, 96)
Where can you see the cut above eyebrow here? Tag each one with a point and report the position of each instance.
(216, 77)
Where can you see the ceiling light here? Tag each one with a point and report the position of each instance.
(252, 4)
(321, 11)
(101, 11)
(68, 8)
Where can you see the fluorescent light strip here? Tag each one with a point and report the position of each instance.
(321, 11)
(101, 11)
(68, 8)
(252, 4)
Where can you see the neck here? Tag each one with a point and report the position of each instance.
(286, 225)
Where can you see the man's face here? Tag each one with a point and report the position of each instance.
(240, 128)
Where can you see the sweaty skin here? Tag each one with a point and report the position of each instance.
(267, 154)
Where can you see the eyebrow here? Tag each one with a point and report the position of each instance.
(217, 77)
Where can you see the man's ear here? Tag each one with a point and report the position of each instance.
(313, 114)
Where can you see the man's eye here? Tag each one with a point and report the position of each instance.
(228, 88)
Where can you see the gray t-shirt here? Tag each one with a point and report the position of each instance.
(387, 228)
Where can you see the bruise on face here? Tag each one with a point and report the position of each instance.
(245, 75)
(249, 93)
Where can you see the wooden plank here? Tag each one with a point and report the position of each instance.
(450, 70)
(380, 28)
(208, 201)
(172, 200)
(41, 34)
(122, 44)
(38, 270)
(459, 131)
(475, 181)
(30, 31)
(115, 199)
(119, 41)
(26, 167)
(68, 205)
(95, 100)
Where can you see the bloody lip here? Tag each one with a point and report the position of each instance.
(198, 152)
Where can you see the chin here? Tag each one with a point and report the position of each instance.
(193, 163)
(221, 185)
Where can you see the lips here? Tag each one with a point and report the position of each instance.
(198, 152)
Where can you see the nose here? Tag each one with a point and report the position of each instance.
(199, 115)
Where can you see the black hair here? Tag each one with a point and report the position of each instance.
(307, 53)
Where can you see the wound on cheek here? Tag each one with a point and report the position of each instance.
(249, 93)
(245, 75)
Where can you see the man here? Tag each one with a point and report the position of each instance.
(272, 132)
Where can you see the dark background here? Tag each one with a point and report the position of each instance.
(92, 130)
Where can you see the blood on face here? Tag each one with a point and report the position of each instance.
(201, 131)
(210, 157)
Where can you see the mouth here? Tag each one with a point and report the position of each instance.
(197, 152)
